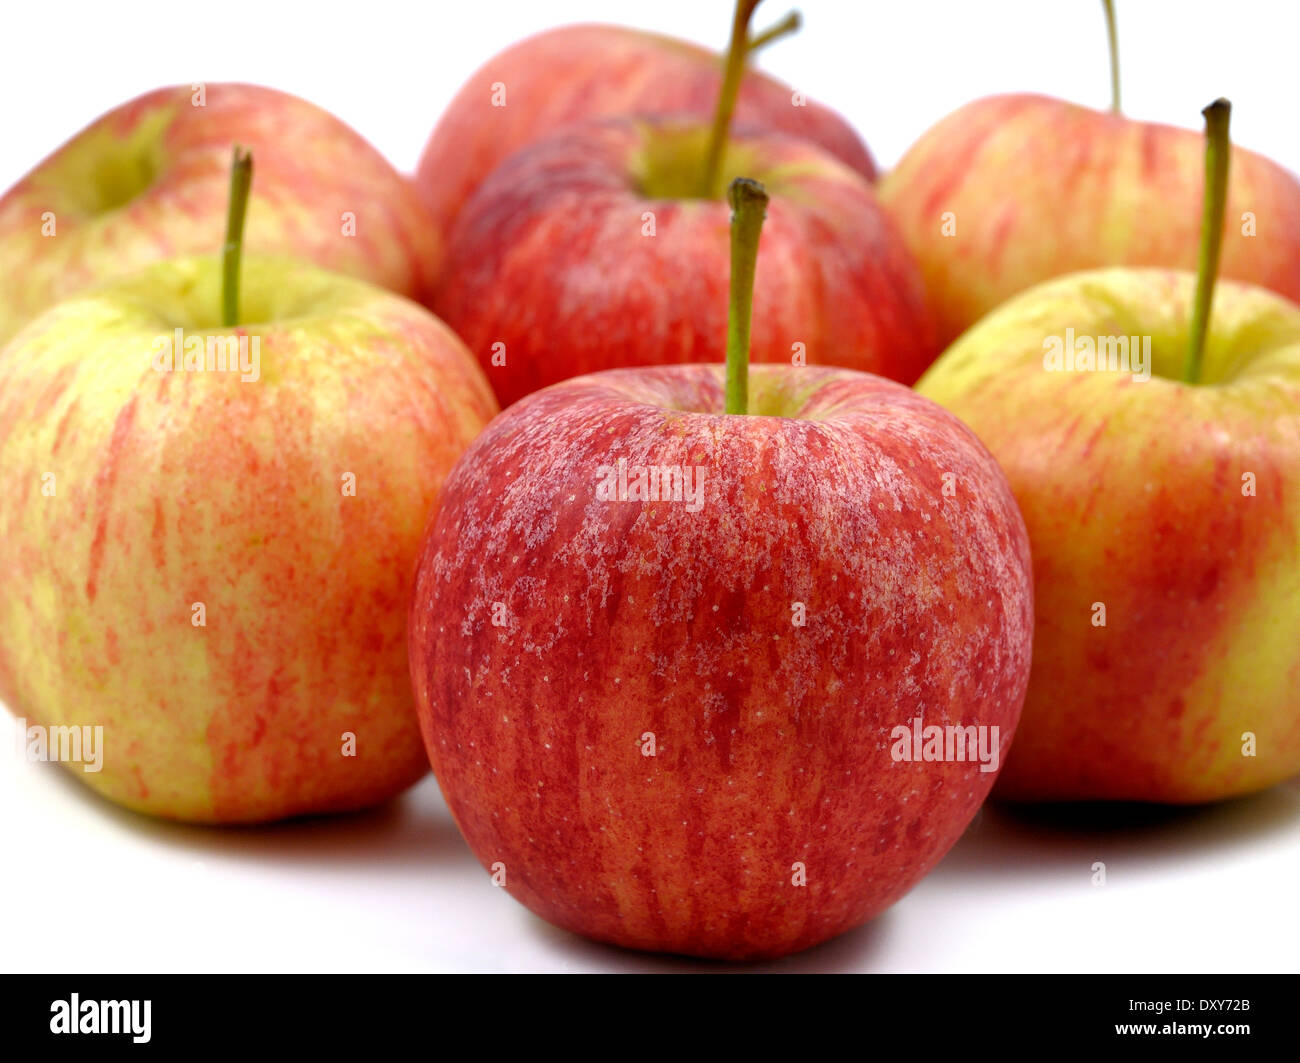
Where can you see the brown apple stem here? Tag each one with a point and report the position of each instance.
(1218, 152)
(1112, 38)
(788, 25)
(737, 53)
(241, 179)
(748, 201)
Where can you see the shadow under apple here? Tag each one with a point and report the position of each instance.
(410, 831)
(1051, 840)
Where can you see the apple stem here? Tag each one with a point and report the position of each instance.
(788, 25)
(1112, 37)
(737, 53)
(241, 179)
(1218, 151)
(748, 201)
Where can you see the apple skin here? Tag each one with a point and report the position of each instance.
(176, 488)
(1041, 187)
(551, 257)
(151, 179)
(773, 740)
(588, 71)
(1133, 496)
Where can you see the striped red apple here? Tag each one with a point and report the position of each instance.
(603, 246)
(583, 72)
(676, 636)
(591, 250)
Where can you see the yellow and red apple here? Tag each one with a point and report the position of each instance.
(212, 562)
(1159, 478)
(148, 181)
(1012, 190)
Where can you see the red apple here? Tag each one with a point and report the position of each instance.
(581, 72)
(149, 180)
(669, 660)
(592, 249)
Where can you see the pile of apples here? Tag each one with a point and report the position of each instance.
(682, 637)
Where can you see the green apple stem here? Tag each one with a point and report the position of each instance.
(748, 201)
(241, 179)
(788, 25)
(737, 53)
(1218, 150)
(1112, 38)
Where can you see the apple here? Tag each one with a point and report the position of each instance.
(577, 72)
(147, 181)
(209, 530)
(675, 630)
(1155, 453)
(1011, 190)
(592, 250)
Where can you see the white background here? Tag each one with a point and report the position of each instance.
(88, 887)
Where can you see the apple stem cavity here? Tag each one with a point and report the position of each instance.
(737, 54)
(788, 25)
(241, 179)
(1112, 38)
(748, 201)
(1218, 151)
